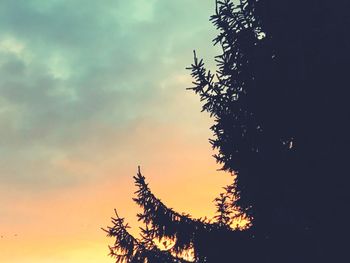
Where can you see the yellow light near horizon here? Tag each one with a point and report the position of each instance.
(63, 225)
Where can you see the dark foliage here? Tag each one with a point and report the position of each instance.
(176, 233)
(279, 100)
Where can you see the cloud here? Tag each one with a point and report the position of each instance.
(71, 71)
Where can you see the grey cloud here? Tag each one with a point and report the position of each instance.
(84, 64)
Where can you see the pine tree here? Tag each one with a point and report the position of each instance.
(169, 236)
(280, 128)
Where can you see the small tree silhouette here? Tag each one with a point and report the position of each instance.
(169, 236)
(281, 112)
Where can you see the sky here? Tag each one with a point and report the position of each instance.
(89, 90)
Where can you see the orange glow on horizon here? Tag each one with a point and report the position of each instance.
(64, 225)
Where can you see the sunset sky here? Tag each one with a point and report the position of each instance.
(89, 90)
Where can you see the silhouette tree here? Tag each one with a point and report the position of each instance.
(281, 121)
(280, 108)
(169, 236)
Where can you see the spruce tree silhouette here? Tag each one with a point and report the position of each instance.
(184, 238)
(280, 106)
